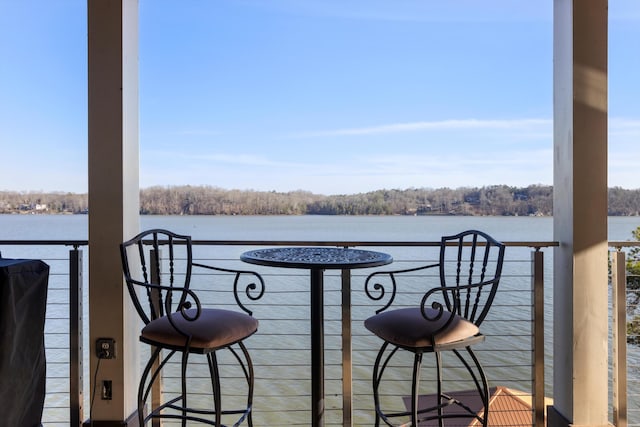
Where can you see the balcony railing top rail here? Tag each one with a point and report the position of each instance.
(340, 243)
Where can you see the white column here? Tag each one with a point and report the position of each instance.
(580, 214)
(113, 197)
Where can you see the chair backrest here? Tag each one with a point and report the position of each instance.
(470, 270)
(157, 267)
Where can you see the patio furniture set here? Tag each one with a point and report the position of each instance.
(446, 319)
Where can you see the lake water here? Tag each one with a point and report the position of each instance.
(278, 386)
(309, 227)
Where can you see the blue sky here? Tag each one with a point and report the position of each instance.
(329, 96)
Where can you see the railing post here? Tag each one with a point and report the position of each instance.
(156, 390)
(75, 338)
(537, 275)
(347, 374)
(619, 340)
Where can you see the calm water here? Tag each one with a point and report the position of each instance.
(338, 228)
(359, 228)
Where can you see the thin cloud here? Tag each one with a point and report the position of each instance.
(454, 125)
(198, 132)
(444, 161)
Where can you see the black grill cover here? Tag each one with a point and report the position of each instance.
(23, 300)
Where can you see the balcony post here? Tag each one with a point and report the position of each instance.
(580, 349)
(112, 27)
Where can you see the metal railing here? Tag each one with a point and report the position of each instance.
(625, 388)
(281, 346)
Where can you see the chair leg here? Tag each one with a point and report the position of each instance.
(247, 368)
(249, 375)
(483, 388)
(143, 392)
(377, 377)
(215, 383)
(481, 383)
(378, 371)
(150, 375)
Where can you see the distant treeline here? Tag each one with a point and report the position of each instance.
(207, 200)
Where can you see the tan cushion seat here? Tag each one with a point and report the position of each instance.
(214, 329)
(406, 327)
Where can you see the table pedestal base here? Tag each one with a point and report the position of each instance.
(317, 347)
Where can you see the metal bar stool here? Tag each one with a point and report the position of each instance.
(176, 321)
(447, 319)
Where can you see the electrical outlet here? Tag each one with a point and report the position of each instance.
(106, 348)
(107, 390)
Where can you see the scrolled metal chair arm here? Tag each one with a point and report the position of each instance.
(452, 297)
(187, 299)
(254, 290)
(440, 308)
(377, 291)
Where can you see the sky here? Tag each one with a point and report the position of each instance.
(327, 96)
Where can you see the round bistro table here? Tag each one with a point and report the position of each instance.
(316, 260)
